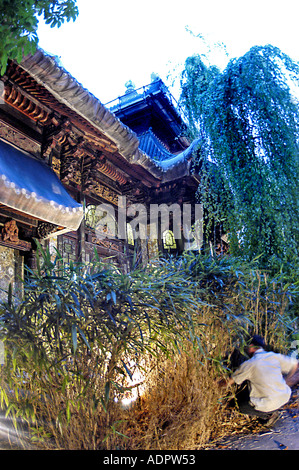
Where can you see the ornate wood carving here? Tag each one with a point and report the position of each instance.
(22, 102)
(101, 142)
(108, 244)
(105, 193)
(64, 144)
(10, 237)
(88, 174)
(56, 165)
(20, 140)
(109, 170)
(70, 164)
(44, 229)
(10, 231)
(93, 166)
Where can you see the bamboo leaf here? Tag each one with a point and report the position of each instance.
(74, 338)
(83, 337)
(107, 392)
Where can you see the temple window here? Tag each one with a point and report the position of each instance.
(169, 242)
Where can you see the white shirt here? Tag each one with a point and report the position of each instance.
(264, 371)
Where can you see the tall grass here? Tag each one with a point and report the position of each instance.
(182, 407)
(88, 339)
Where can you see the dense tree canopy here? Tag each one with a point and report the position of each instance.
(19, 22)
(247, 119)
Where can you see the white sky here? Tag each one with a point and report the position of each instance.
(113, 41)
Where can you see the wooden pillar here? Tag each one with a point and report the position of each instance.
(81, 235)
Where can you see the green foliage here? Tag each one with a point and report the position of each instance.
(247, 120)
(62, 303)
(19, 22)
(96, 315)
(75, 341)
(244, 299)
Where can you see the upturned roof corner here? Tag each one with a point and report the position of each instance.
(46, 70)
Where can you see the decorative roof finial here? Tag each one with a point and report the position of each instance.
(130, 87)
(154, 77)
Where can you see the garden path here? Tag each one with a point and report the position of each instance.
(284, 434)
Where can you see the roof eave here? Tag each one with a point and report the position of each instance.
(65, 88)
(46, 71)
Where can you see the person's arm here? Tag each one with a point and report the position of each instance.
(239, 376)
(230, 382)
(292, 372)
(289, 366)
(226, 382)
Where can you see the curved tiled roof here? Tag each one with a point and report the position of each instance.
(46, 71)
(65, 88)
(152, 146)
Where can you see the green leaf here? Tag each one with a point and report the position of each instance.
(68, 411)
(107, 392)
(83, 337)
(74, 338)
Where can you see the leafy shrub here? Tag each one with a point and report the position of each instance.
(86, 337)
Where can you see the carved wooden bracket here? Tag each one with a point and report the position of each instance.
(44, 229)
(24, 103)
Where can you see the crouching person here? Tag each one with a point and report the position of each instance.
(267, 387)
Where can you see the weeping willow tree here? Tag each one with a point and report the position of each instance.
(246, 119)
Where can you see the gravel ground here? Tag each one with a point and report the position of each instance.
(284, 435)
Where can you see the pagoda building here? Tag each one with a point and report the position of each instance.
(154, 115)
(63, 154)
(152, 112)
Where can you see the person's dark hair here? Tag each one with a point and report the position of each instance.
(257, 341)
